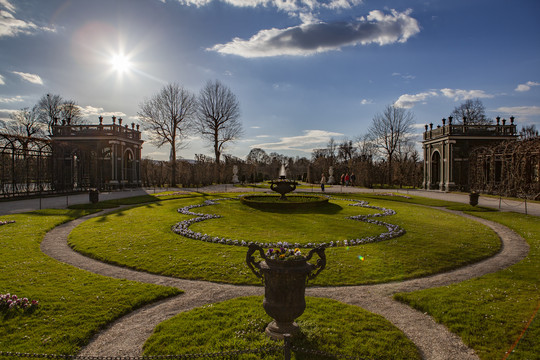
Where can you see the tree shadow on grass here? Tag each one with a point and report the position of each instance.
(325, 208)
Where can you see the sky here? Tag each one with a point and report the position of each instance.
(304, 71)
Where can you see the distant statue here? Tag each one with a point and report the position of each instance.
(331, 179)
(235, 174)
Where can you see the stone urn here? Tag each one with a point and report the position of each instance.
(283, 187)
(284, 287)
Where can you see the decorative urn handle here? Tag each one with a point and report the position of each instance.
(255, 266)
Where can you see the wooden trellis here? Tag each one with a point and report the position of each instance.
(511, 168)
(25, 165)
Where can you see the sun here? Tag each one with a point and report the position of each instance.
(120, 63)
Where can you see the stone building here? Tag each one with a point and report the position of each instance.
(96, 156)
(447, 149)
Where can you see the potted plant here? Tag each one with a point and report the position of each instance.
(284, 273)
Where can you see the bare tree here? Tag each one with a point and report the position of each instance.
(168, 116)
(528, 132)
(218, 112)
(473, 110)
(389, 131)
(366, 147)
(346, 150)
(331, 149)
(258, 156)
(25, 123)
(71, 112)
(407, 157)
(50, 108)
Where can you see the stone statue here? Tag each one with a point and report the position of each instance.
(331, 179)
(235, 174)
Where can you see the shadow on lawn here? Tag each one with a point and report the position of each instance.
(326, 208)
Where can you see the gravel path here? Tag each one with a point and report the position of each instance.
(126, 336)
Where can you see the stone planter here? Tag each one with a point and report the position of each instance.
(473, 198)
(284, 288)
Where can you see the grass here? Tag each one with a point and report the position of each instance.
(134, 200)
(489, 313)
(141, 238)
(73, 304)
(239, 324)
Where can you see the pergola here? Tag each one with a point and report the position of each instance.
(447, 149)
(96, 156)
(75, 158)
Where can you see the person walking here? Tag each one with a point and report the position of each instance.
(353, 179)
(347, 178)
(323, 181)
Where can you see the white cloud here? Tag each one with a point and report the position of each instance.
(262, 136)
(95, 112)
(458, 94)
(157, 155)
(7, 111)
(520, 110)
(407, 101)
(11, 26)
(404, 76)
(311, 139)
(292, 7)
(7, 5)
(2, 82)
(255, 127)
(311, 38)
(8, 100)
(32, 78)
(527, 86)
(366, 101)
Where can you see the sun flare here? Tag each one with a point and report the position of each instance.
(120, 63)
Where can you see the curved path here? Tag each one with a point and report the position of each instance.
(126, 336)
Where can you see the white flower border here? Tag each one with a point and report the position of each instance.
(182, 228)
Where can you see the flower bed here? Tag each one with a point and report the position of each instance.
(13, 302)
(6, 222)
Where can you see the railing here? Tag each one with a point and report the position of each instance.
(470, 130)
(96, 130)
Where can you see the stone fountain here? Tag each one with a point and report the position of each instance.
(282, 185)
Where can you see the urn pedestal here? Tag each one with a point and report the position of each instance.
(284, 288)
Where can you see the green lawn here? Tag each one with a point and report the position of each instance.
(73, 304)
(141, 238)
(490, 312)
(239, 324)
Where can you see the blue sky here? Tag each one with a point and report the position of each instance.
(303, 70)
